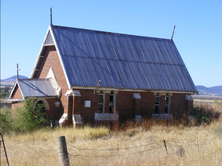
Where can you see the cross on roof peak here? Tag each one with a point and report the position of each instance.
(17, 71)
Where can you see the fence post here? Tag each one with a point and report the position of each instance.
(3, 143)
(62, 150)
(165, 146)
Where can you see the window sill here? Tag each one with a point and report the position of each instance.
(106, 116)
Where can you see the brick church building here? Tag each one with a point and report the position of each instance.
(88, 76)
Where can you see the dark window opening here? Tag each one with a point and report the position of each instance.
(40, 106)
(157, 109)
(40, 110)
(100, 98)
(101, 103)
(157, 103)
(111, 110)
(111, 102)
(100, 109)
(167, 104)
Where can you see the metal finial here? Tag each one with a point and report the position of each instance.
(50, 16)
(173, 32)
(17, 71)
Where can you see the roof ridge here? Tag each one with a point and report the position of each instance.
(111, 33)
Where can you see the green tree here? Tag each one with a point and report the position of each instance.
(32, 116)
(24, 119)
(6, 120)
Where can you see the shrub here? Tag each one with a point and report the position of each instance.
(6, 120)
(25, 119)
(205, 114)
(30, 117)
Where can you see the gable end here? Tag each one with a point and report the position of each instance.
(49, 39)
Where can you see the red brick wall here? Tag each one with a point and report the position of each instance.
(16, 104)
(126, 106)
(148, 104)
(178, 105)
(51, 60)
(54, 112)
(17, 94)
(87, 113)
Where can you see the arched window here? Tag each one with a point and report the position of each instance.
(40, 106)
(40, 112)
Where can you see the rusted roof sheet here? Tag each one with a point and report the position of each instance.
(36, 88)
(121, 61)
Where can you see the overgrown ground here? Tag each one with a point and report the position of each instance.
(143, 144)
(200, 145)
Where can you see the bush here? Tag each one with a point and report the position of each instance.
(25, 119)
(30, 117)
(205, 114)
(4, 92)
(4, 95)
(6, 120)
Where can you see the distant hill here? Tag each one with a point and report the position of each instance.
(10, 81)
(211, 91)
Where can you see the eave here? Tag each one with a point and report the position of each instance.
(133, 90)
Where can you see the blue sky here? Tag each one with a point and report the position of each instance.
(198, 33)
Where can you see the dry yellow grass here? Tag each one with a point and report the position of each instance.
(136, 146)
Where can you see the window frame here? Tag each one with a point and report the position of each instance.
(167, 105)
(158, 104)
(103, 103)
(113, 104)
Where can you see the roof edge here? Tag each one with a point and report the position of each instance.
(59, 55)
(13, 89)
(50, 30)
(41, 49)
(111, 33)
(133, 90)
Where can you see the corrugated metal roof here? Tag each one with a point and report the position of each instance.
(121, 61)
(36, 88)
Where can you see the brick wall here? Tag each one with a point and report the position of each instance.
(17, 93)
(148, 104)
(178, 105)
(16, 104)
(51, 60)
(54, 112)
(87, 113)
(127, 106)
